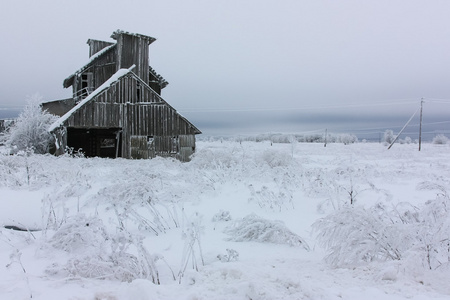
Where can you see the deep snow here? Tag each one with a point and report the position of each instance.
(186, 223)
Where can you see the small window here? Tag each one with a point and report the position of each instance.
(150, 141)
(174, 144)
(86, 84)
(138, 92)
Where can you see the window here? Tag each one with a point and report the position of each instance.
(174, 145)
(150, 141)
(86, 85)
(138, 92)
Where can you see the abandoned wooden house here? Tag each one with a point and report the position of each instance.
(117, 109)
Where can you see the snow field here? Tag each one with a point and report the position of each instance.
(177, 219)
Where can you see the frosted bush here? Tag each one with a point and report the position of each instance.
(354, 235)
(30, 129)
(222, 216)
(440, 139)
(217, 159)
(275, 200)
(192, 245)
(253, 228)
(136, 201)
(276, 158)
(94, 253)
(80, 233)
(232, 255)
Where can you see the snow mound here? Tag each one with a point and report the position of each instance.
(255, 228)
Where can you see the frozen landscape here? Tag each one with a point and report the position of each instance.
(242, 220)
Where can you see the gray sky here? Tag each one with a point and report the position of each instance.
(237, 67)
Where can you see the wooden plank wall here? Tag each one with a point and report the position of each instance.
(102, 69)
(143, 114)
(135, 52)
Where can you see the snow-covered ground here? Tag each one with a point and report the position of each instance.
(234, 223)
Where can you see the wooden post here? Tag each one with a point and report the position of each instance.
(420, 126)
(325, 137)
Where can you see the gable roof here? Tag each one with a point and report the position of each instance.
(162, 82)
(119, 74)
(69, 80)
(116, 77)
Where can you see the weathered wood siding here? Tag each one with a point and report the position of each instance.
(133, 50)
(101, 69)
(96, 45)
(142, 114)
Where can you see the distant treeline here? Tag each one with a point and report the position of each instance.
(345, 138)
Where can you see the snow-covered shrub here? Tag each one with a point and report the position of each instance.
(388, 136)
(135, 200)
(80, 233)
(434, 229)
(253, 228)
(354, 235)
(274, 200)
(440, 139)
(232, 255)
(222, 216)
(277, 158)
(191, 234)
(217, 159)
(30, 129)
(94, 253)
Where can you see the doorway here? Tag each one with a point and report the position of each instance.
(104, 142)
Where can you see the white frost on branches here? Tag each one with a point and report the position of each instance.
(255, 228)
(355, 235)
(30, 130)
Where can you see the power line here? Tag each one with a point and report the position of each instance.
(350, 105)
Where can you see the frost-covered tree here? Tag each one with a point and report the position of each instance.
(388, 136)
(30, 129)
(440, 139)
(347, 138)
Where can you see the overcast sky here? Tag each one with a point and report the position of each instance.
(237, 67)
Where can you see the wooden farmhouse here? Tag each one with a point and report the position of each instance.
(117, 109)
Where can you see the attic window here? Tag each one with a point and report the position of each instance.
(86, 84)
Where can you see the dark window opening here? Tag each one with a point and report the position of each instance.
(138, 92)
(86, 85)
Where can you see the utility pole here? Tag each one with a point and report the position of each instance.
(420, 126)
(325, 137)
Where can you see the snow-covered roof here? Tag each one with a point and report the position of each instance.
(162, 82)
(69, 80)
(104, 86)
